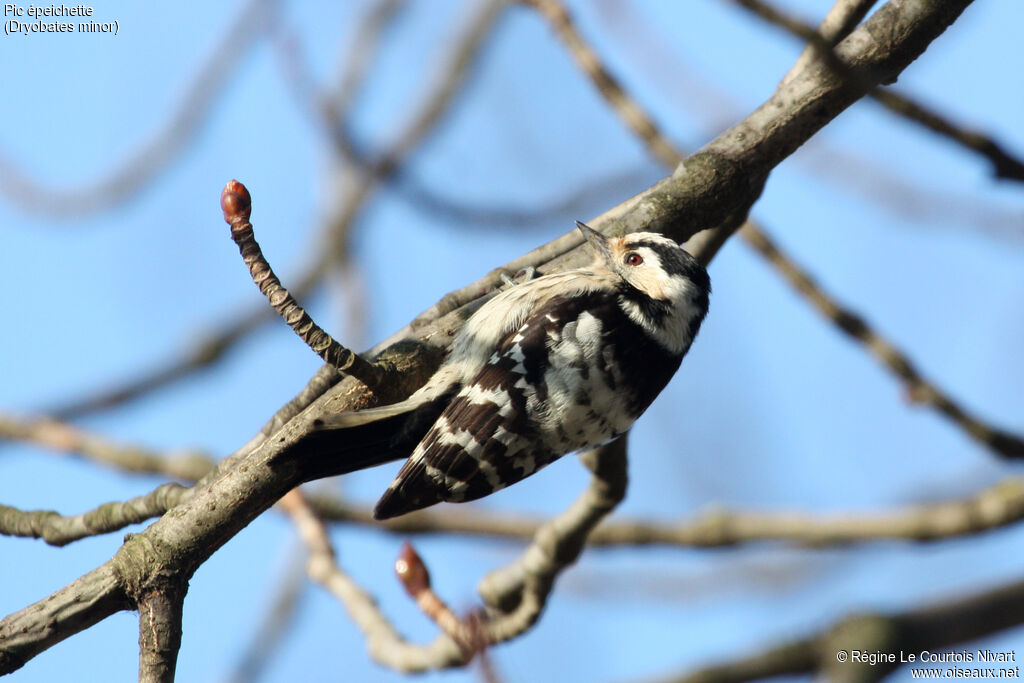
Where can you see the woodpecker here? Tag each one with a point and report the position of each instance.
(557, 364)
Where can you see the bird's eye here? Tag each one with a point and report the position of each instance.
(633, 259)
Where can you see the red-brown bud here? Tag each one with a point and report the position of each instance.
(235, 202)
(411, 571)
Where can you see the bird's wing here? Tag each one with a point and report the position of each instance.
(486, 439)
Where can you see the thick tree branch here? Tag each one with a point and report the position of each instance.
(160, 631)
(79, 605)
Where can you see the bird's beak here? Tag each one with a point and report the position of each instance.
(597, 241)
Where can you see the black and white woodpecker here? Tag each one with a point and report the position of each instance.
(558, 364)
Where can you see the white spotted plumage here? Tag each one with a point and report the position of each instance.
(557, 364)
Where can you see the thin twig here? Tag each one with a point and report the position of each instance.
(237, 206)
(213, 347)
(995, 507)
(359, 58)
(516, 594)
(1004, 165)
(837, 24)
(919, 389)
(519, 591)
(386, 646)
(635, 117)
(60, 436)
(58, 530)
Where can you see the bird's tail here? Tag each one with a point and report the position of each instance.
(347, 442)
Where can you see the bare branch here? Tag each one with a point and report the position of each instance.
(837, 24)
(854, 326)
(386, 646)
(213, 346)
(65, 438)
(929, 628)
(276, 624)
(413, 573)
(487, 216)
(160, 631)
(237, 205)
(360, 58)
(998, 506)
(1004, 165)
(79, 605)
(715, 187)
(635, 117)
(58, 530)
(519, 591)
(516, 594)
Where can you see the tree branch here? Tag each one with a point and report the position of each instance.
(997, 506)
(237, 206)
(65, 438)
(79, 605)
(385, 645)
(160, 631)
(58, 530)
(919, 389)
(929, 628)
(1004, 165)
(519, 591)
(516, 594)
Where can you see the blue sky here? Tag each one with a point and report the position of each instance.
(772, 409)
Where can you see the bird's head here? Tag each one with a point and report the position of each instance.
(661, 286)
